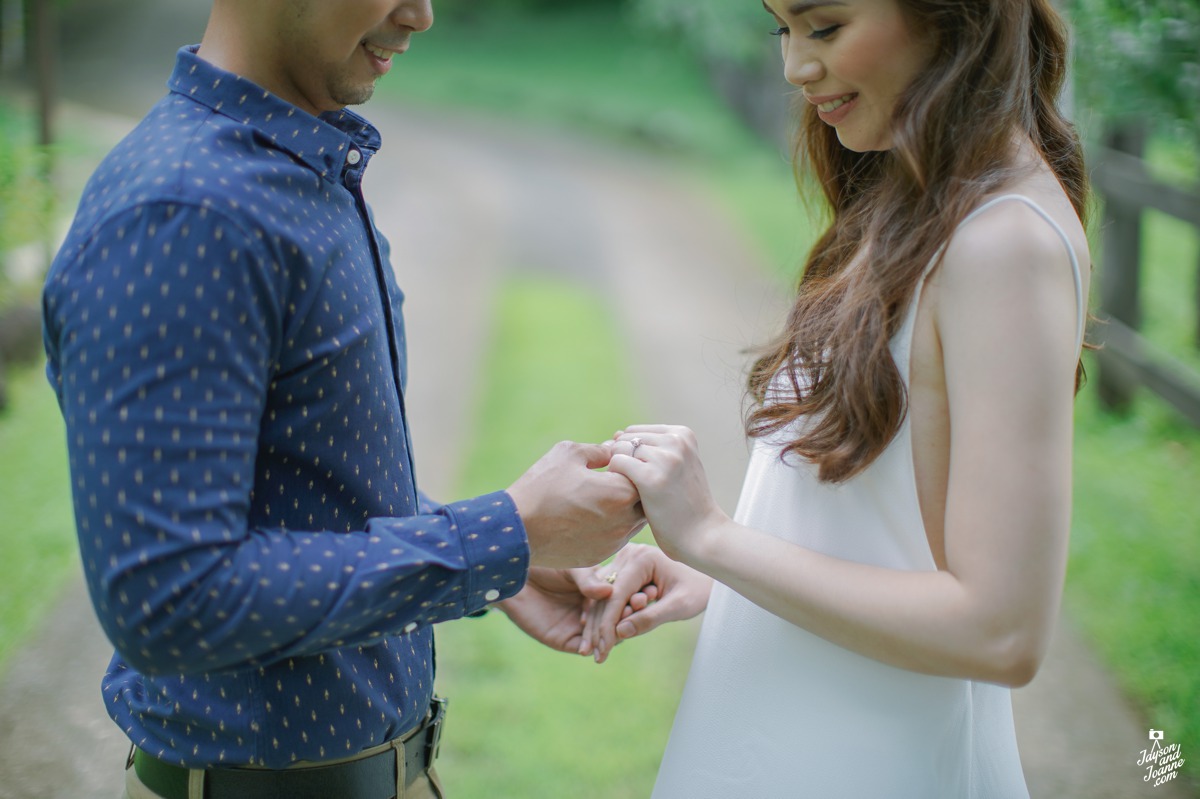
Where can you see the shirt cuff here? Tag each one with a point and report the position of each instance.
(495, 548)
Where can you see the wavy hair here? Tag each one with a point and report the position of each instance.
(997, 67)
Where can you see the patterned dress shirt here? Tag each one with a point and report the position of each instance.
(225, 339)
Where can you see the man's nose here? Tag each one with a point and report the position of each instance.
(414, 14)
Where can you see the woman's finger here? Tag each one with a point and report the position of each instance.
(633, 469)
(589, 634)
(631, 445)
(591, 583)
(639, 429)
(643, 621)
(650, 439)
(633, 572)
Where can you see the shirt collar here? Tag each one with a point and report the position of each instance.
(323, 143)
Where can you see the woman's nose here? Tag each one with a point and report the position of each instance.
(800, 66)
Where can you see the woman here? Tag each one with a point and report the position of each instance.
(896, 559)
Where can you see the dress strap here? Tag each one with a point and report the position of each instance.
(1080, 307)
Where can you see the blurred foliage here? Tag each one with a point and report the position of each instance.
(26, 195)
(713, 28)
(1141, 59)
(1132, 57)
(473, 9)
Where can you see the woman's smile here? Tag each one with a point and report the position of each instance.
(833, 109)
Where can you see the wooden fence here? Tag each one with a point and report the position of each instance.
(1126, 360)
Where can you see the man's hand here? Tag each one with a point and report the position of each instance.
(551, 606)
(574, 514)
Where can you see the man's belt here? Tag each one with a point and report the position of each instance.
(373, 776)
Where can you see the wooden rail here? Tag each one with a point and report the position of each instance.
(1126, 359)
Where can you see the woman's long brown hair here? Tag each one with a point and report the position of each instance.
(997, 67)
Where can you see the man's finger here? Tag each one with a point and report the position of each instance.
(594, 456)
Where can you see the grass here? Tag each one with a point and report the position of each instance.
(1134, 576)
(552, 373)
(538, 722)
(38, 534)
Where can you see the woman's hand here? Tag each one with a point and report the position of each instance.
(663, 461)
(649, 589)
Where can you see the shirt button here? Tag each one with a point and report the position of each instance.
(492, 596)
(353, 157)
(412, 625)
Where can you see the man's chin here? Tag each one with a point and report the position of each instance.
(356, 95)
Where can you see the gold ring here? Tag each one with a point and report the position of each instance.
(611, 578)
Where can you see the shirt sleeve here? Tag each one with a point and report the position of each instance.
(161, 334)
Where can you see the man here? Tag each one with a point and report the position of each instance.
(224, 334)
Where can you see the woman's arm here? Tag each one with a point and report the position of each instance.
(1005, 317)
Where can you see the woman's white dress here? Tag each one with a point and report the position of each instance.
(771, 710)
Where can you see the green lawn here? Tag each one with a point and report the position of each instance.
(1134, 575)
(38, 532)
(553, 372)
(538, 722)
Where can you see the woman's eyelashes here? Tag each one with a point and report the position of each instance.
(823, 33)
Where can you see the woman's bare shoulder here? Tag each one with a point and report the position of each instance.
(1013, 240)
(1006, 286)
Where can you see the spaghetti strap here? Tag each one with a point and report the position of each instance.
(1080, 308)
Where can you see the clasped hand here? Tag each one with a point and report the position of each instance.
(589, 611)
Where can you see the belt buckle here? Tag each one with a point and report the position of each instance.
(433, 735)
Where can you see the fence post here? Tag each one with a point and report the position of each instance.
(45, 51)
(1119, 279)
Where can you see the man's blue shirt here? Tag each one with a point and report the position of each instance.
(225, 337)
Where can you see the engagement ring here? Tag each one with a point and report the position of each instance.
(610, 579)
(636, 442)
